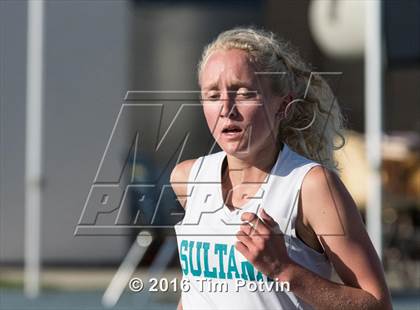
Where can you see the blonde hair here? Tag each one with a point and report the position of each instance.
(313, 121)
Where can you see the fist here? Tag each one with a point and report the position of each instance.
(261, 242)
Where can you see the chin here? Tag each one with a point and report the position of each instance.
(233, 149)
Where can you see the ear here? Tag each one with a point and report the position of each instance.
(288, 98)
(283, 101)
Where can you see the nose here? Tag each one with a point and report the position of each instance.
(228, 104)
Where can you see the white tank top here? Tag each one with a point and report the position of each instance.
(215, 273)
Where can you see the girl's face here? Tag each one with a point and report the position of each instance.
(239, 105)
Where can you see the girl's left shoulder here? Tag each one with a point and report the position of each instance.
(325, 201)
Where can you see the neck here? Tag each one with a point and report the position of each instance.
(253, 168)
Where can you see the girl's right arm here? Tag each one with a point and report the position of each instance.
(179, 180)
(179, 307)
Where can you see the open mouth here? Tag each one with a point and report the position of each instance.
(232, 132)
(232, 129)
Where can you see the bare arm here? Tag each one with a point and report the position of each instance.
(179, 307)
(179, 180)
(333, 215)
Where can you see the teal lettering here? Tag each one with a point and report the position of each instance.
(207, 273)
(221, 249)
(183, 257)
(247, 271)
(232, 264)
(195, 272)
(197, 250)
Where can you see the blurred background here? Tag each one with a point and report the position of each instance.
(69, 132)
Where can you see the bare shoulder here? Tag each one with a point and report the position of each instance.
(326, 201)
(333, 215)
(179, 179)
(318, 177)
(181, 171)
(321, 182)
(311, 215)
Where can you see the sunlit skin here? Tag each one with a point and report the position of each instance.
(327, 213)
(229, 84)
(232, 93)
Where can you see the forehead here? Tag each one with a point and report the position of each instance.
(232, 65)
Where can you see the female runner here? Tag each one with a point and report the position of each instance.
(270, 207)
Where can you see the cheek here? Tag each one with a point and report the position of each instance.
(211, 113)
(254, 115)
(262, 123)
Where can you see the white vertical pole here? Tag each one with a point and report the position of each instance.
(33, 159)
(373, 120)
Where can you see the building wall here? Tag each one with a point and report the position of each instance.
(85, 81)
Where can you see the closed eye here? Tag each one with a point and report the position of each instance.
(211, 95)
(246, 94)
